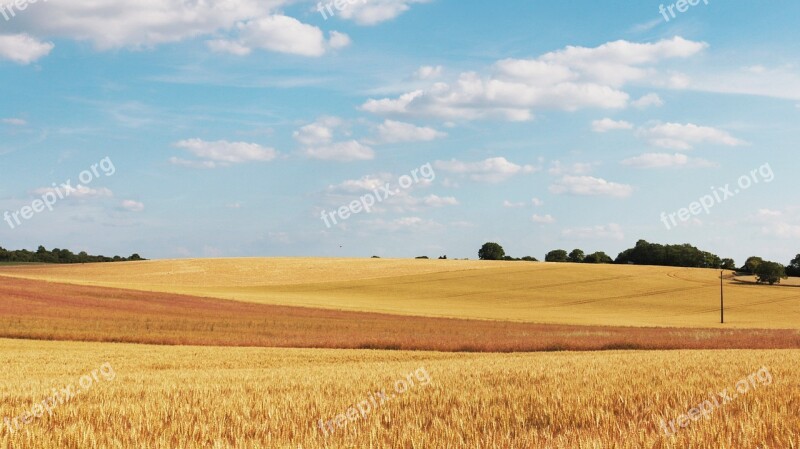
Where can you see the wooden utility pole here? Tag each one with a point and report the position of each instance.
(721, 299)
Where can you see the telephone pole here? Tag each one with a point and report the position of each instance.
(721, 299)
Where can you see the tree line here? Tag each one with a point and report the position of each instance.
(42, 255)
(646, 253)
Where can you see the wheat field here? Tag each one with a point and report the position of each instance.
(215, 354)
(582, 294)
(191, 397)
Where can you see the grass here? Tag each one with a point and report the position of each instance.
(186, 397)
(567, 294)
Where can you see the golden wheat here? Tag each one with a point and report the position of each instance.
(192, 397)
(585, 294)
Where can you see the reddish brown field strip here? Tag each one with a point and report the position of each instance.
(49, 311)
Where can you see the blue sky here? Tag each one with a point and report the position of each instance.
(232, 126)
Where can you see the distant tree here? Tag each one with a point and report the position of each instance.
(728, 264)
(770, 273)
(686, 255)
(491, 251)
(60, 256)
(135, 257)
(422, 257)
(711, 260)
(443, 257)
(598, 257)
(529, 259)
(794, 267)
(752, 263)
(556, 255)
(375, 257)
(576, 256)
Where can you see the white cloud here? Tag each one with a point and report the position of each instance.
(781, 224)
(783, 230)
(665, 160)
(511, 205)
(226, 46)
(367, 183)
(427, 72)
(611, 231)
(768, 214)
(79, 192)
(439, 201)
(88, 192)
(590, 186)
(647, 101)
(684, 137)
(607, 124)
(317, 133)
(372, 12)
(569, 79)
(578, 168)
(338, 40)
(391, 131)
(14, 121)
(341, 151)
(536, 202)
(416, 224)
(22, 48)
(318, 141)
(543, 219)
(496, 169)
(110, 24)
(647, 26)
(222, 153)
(133, 206)
(775, 82)
(192, 164)
(234, 26)
(282, 34)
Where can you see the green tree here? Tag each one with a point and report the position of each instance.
(598, 257)
(770, 273)
(491, 251)
(751, 264)
(794, 267)
(556, 255)
(728, 264)
(645, 253)
(576, 256)
(711, 260)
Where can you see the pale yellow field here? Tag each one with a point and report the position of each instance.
(530, 292)
(191, 397)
